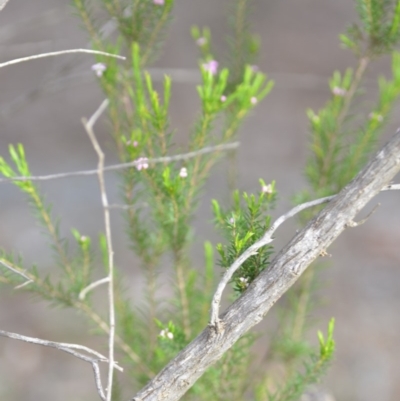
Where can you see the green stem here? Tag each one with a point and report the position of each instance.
(334, 136)
(181, 282)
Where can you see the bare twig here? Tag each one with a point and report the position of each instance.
(70, 349)
(182, 372)
(89, 129)
(165, 159)
(86, 309)
(59, 53)
(92, 286)
(352, 224)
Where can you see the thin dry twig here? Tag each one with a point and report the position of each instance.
(92, 286)
(165, 159)
(85, 309)
(111, 304)
(70, 349)
(59, 53)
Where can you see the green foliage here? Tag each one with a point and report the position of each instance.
(138, 21)
(161, 199)
(242, 225)
(343, 135)
(338, 151)
(378, 32)
(242, 44)
(314, 367)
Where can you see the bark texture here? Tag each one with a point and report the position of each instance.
(248, 310)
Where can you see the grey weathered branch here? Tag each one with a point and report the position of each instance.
(183, 371)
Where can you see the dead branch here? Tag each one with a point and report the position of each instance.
(88, 124)
(70, 349)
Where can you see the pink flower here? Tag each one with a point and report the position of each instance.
(99, 68)
(211, 66)
(223, 98)
(338, 91)
(183, 173)
(253, 100)
(201, 41)
(142, 163)
(159, 2)
(134, 143)
(267, 189)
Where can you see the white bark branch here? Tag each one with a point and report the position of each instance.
(70, 349)
(59, 53)
(107, 223)
(248, 310)
(92, 286)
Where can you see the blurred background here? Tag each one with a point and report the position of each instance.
(41, 105)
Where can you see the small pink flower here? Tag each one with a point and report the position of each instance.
(183, 173)
(267, 189)
(232, 221)
(211, 66)
(253, 100)
(134, 143)
(159, 2)
(223, 98)
(99, 68)
(338, 91)
(142, 163)
(201, 41)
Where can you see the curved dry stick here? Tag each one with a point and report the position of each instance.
(59, 53)
(70, 349)
(182, 372)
